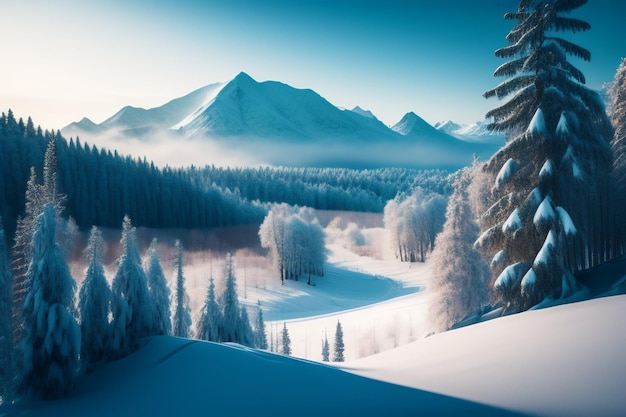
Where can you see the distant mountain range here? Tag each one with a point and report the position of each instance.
(273, 123)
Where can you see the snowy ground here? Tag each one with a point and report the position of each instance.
(381, 304)
(561, 361)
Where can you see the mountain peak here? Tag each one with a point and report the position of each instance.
(411, 123)
(364, 113)
(243, 77)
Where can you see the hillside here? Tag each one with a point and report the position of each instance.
(561, 361)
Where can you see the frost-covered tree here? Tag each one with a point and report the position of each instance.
(549, 213)
(231, 312)
(51, 345)
(325, 349)
(413, 222)
(210, 320)
(618, 119)
(159, 292)
(459, 279)
(295, 240)
(94, 305)
(182, 313)
(131, 306)
(260, 338)
(285, 341)
(339, 347)
(246, 337)
(6, 339)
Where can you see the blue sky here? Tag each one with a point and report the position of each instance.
(69, 59)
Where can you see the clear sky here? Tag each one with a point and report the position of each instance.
(67, 59)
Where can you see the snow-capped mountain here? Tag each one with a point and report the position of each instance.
(474, 132)
(274, 123)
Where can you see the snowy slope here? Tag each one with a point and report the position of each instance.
(177, 377)
(166, 115)
(562, 361)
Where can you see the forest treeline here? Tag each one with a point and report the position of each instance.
(101, 186)
(325, 188)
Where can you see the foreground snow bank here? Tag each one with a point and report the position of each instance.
(179, 377)
(562, 361)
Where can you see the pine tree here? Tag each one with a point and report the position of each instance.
(286, 341)
(459, 276)
(210, 319)
(52, 342)
(325, 349)
(618, 119)
(182, 314)
(159, 292)
(130, 303)
(246, 337)
(339, 348)
(229, 331)
(549, 213)
(260, 338)
(6, 339)
(94, 305)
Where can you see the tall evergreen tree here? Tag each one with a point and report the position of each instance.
(325, 349)
(6, 339)
(285, 340)
(231, 313)
(159, 292)
(94, 305)
(52, 342)
(246, 337)
(459, 279)
(260, 338)
(182, 313)
(130, 303)
(37, 197)
(339, 347)
(549, 213)
(210, 319)
(618, 119)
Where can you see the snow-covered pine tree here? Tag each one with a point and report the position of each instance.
(159, 292)
(246, 337)
(231, 313)
(94, 306)
(182, 312)
(260, 338)
(6, 339)
(131, 306)
(617, 94)
(210, 319)
(459, 279)
(339, 347)
(51, 345)
(285, 340)
(325, 349)
(549, 213)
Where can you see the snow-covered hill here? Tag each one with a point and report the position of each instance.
(561, 361)
(273, 123)
(178, 377)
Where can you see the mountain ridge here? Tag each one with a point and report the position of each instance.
(259, 117)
